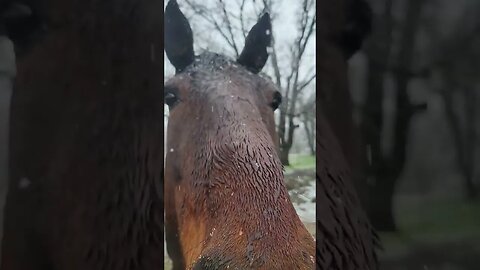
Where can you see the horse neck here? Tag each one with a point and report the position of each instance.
(244, 190)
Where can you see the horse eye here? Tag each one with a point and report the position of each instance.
(277, 100)
(170, 99)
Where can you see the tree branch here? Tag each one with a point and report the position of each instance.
(229, 27)
(306, 82)
(201, 11)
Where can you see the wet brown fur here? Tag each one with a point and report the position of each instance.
(222, 163)
(345, 238)
(86, 132)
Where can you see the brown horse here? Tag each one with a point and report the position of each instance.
(86, 148)
(226, 202)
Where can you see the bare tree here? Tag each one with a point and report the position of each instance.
(231, 19)
(307, 116)
(294, 83)
(391, 52)
(384, 168)
(456, 63)
(464, 135)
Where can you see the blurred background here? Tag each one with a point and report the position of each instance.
(416, 92)
(221, 26)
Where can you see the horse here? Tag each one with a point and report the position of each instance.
(226, 203)
(86, 150)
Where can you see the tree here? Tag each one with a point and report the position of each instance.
(392, 54)
(383, 168)
(307, 116)
(456, 65)
(230, 21)
(464, 136)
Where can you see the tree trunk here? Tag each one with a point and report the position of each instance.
(371, 126)
(470, 189)
(284, 155)
(469, 169)
(384, 170)
(309, 125)
(464, 145)
(380, 208)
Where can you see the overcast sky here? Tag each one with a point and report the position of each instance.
(284, 29)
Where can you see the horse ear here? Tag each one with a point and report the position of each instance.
(254, 54)
(178, 37)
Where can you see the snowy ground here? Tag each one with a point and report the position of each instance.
(306, 209)
(301, 186)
